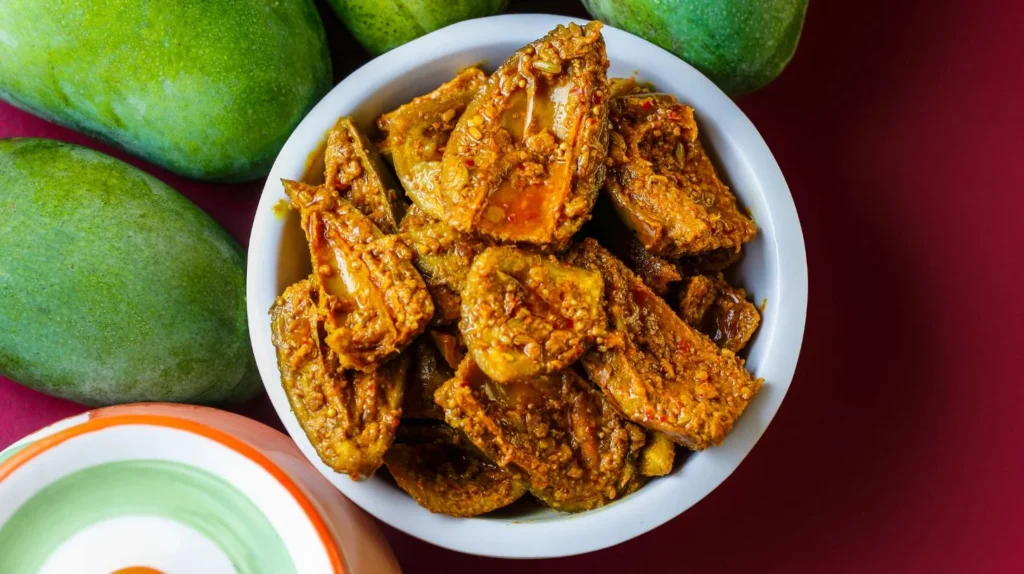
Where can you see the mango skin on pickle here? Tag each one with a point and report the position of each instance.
(208, 89)
(114, 288)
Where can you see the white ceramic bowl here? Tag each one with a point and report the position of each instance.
(774, 269)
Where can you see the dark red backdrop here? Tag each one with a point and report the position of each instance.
(899, 130)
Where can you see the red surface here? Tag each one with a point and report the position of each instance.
(898, 448)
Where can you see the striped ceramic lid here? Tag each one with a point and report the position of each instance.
(150, 493)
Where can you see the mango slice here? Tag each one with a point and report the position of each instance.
(372, 300)
(577, 452)
(664, 375)
(350, 417)
(416, 134)
(663, 184)
(525, 314)
(526, 159)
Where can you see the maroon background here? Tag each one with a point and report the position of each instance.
(898, 449)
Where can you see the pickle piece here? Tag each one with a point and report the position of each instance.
(446, 479)
(526, 159)
(450, 347)
(525, 314)
(709, 262)
(576, 451)
(719, 310)
(415, 136)
(372, 300)
(353, 168)
(414, 432)
(664, 374)
(663, 184)
(349, 417)
(624, 87)
(443, 256)
(658, 455)
(657, 272)
(429, 371)
(698, 294)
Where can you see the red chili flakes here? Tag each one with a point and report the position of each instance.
(640, 295)
(470, 162)
(647, 104)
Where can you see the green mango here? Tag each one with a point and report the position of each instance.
(114, 288)
(742, 45)
(209, 89)
(382, 25)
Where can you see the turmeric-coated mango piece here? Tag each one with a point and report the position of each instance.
(658, 455)
(525, 314)
(353, 168)
(451, 347)
(350, 417)
(448, 479)
(663, 184)
(428, 371)
(710, 261)
(416, 134)
(658, 273)
(443, 257)
(709, 304)
(696, 297)
(664, 375)
(577, 452)
(526, 159)
(372, 300)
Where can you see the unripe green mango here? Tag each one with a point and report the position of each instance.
(114, 287)
(742, 45)
(380, 25)
(209, 89)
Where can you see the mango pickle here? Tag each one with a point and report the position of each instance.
(443, 257)
(353, 168)
(493, 322)
(350, 417)
(664, 375)
(429, 371)
(447, 479)
(416, 135)
(526, 159)
(372, 300)
(658, 455)
(709, 304)
(660, 274)
(663, 184)
(576, 451)
(525, 314)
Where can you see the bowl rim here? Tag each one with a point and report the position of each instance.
(635, 514)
